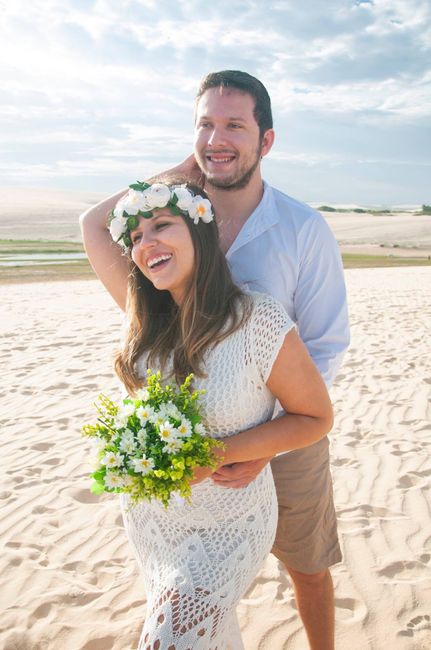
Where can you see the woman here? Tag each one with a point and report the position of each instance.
(185, 314)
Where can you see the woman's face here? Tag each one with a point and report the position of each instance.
(162, 248)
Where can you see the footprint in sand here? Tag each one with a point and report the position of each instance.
(412, 571)
(350, 609)
(362, 519)
(414, 480)
(416, 624)
(344, 462)
(406, 448)
(41, 446)
(106, 642)
(52, 461)
(84, 496)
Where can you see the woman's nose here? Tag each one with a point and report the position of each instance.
(147, 240)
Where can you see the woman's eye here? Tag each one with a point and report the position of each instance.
(136, 239)
(161, 224)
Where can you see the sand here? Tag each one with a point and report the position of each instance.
(54, 216)
(67, 577)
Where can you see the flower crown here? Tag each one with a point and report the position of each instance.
(142, 198)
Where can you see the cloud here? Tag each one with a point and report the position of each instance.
(97, 87)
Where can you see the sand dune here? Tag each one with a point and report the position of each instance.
(67, 577)
(53, 214)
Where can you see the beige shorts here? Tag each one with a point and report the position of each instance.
(306, 538)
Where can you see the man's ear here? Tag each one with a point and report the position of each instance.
(267, 142)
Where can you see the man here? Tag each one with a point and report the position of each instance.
(276, 245)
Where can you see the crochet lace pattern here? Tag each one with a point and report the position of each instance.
(197, 560)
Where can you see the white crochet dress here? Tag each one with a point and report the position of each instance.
(198, 560)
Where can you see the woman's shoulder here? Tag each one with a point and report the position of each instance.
(268, 313)
(264, 301)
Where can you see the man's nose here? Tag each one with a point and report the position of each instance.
(217, 137)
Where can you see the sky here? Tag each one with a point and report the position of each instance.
(95, 94)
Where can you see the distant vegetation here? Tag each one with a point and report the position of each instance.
(426, 209)
(329, 208)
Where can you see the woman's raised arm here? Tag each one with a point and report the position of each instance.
(106, 257)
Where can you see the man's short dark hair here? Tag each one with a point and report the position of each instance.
(245, 83)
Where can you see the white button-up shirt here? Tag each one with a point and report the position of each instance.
(286, 249)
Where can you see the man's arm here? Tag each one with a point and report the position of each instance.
(320, 298)
(322, 321)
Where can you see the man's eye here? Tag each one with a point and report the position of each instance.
(235, 126)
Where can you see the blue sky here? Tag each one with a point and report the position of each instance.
(97, 93)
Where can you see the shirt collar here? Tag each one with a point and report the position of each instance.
(262, 218)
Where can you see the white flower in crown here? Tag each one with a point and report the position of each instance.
(117, 227)
(200, 209)
(134, 202)
(113, 480)
(111, 459)
(184, 196)
(143, 465)
(158, 195)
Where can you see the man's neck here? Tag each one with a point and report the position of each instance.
(234, 207)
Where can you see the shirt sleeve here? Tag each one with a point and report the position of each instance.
(270, 323)
(320, 298)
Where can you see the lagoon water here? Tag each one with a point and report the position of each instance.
(26, 259)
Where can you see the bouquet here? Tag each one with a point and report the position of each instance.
(148, 445)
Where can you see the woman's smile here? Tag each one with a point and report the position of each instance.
(158, 261)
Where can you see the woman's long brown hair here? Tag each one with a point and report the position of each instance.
(213, 308)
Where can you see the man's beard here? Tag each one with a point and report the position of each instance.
(235, 183)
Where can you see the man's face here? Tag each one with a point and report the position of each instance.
(227, 142)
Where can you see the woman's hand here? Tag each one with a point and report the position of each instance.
(189, 169)
(201, 473)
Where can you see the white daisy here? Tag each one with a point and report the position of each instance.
(200, 429)
(111, 459)
(143, 465)
(167, 431)
(113, 480)
(128, 445)
(185, 428)
(172, 446)
(145, 414)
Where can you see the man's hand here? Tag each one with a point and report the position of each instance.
(239, 475)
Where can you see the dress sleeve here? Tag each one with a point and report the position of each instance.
(270, 323)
